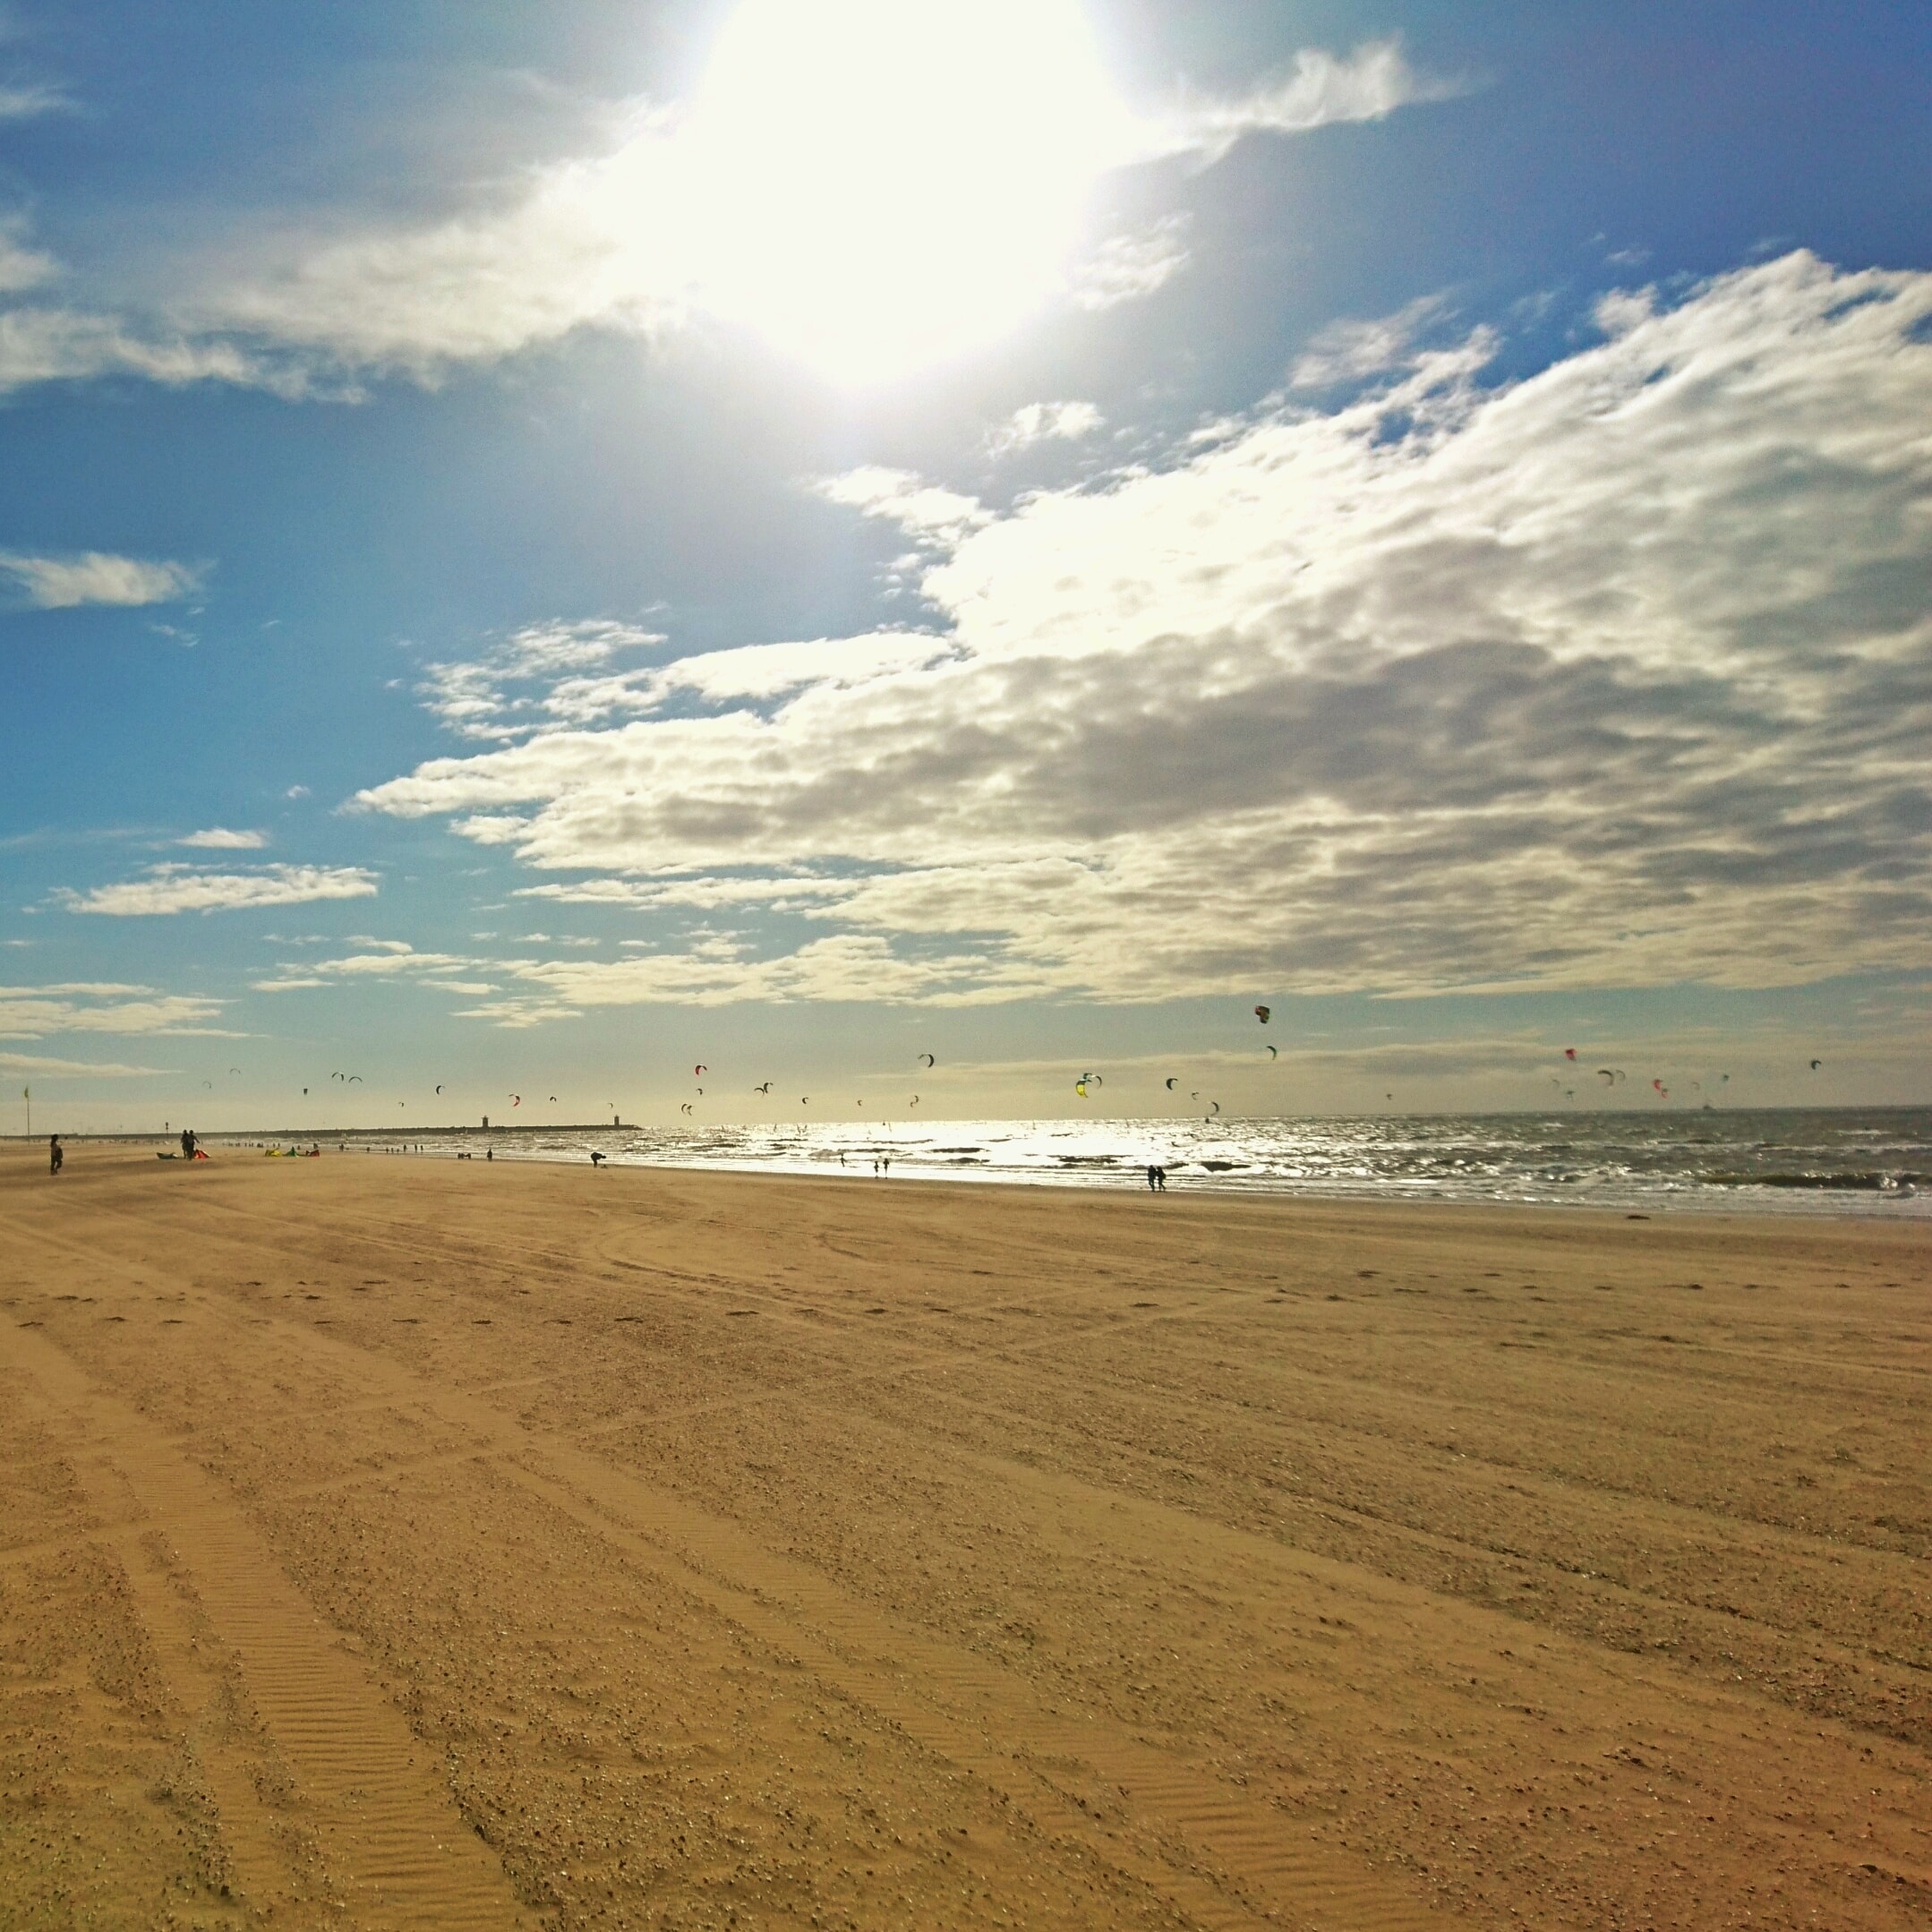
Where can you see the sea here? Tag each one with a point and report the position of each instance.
(1808, 1160)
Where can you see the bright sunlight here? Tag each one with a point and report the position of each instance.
(876, 184)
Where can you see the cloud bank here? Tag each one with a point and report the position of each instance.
(1621, 674)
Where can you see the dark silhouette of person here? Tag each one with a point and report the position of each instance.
(55, 1155)
(187, 1145)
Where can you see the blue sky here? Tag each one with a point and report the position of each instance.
(542, 546)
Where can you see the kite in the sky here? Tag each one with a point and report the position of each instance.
(1569, 1053)
(1093, 1080)
(439, 1090)
(1264, 1014)
(1170, 1086)
(1214, 1106)
(1608, 1075)
(698, 1073)
(516, 1100)
(553, 1099)
(1079, 1087)
(1661, 1089)
(1274, 1053)
(235, 1069)
(915, 1099)
(354, 1079)
(925, 1059)
(685, 1107)
(1816, 1064)
(766, 1087)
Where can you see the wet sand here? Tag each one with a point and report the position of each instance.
(390, 1543)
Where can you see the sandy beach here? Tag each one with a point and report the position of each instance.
(390, 1543)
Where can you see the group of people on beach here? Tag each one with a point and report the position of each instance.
(1157, 1179)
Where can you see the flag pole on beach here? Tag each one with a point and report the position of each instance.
(26, 1093)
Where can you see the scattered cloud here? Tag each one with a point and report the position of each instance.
(32, 1012)
(219, 837)
(383, 959)
(1038, 423)
(1351, 351)
(97, 578)
(20, 266)
(621, 240)
(171, 888)
(1130, 267)
(542, 675)
(59, 344)
(925, 512)
(27, 100)
(1620, 673)
(35, 1065)
(1320, 89)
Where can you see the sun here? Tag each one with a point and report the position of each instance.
(875, 185)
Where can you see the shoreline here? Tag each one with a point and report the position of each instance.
(1840, 1164)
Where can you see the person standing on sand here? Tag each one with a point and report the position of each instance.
(55, 1155)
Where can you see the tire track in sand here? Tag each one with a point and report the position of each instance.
(1228, 1862)
(398, 1855)
(1224, 1859)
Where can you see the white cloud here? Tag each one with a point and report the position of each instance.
(37, 1066)
(384, 960)
(166, 889)
(1130, 267)
(32, 1012)
(26, 100)
(1036, 422)
(923, 510)
(219, 837)
(1321, 90)
(1349, 351)
(97, 578)
(57, 344)
(21, 267)
(625, 240)
(1621, 673)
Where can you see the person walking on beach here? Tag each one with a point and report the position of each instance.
(55, 1155)
(187, 1144)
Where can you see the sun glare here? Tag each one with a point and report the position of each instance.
(877, 184)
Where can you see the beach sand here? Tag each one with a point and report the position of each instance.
(389, 1542)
